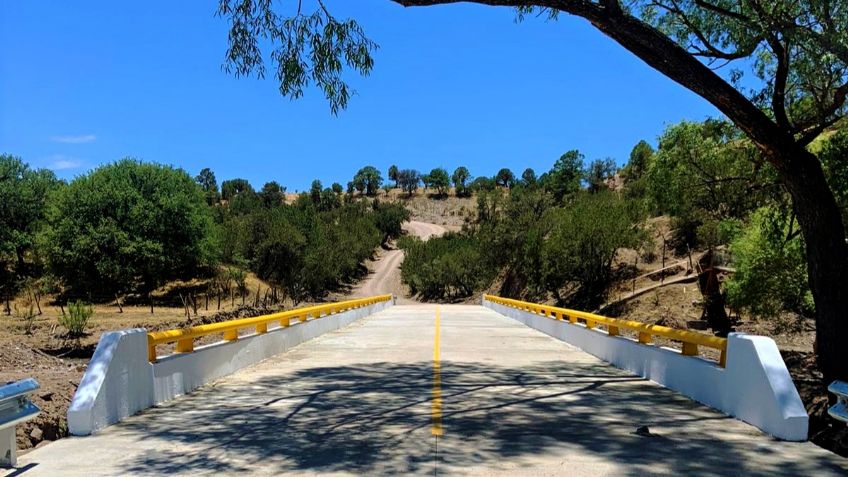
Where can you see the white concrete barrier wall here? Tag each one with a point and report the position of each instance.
(120, 381)
(755, 386)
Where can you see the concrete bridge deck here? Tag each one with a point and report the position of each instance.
(360, 401)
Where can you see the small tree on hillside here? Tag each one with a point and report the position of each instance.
(408, 179)
(440, 181)
(598, 173)
(393, 174)
(505, 178)
(368, 180)
(233, 187)
(528, 177)
(272, 194)
(206, 180)
(460, 179)
(315, 192)
(337, 188)
(565, 177)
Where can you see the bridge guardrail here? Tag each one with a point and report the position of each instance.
(839, 410)
(15, 408)
(184, 338)
(645, 332)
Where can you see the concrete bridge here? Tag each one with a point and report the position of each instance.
(419, 389)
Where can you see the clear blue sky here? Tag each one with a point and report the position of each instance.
(85, 83)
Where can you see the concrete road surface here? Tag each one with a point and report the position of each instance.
(370, 400)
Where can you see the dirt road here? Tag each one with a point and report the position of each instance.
(385, 269)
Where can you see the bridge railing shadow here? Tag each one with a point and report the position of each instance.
(375, 418)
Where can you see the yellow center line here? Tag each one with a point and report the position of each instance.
(437, 380)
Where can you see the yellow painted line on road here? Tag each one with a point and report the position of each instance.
(437, 379)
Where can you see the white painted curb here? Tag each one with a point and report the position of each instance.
(755, 386)
(120, 381)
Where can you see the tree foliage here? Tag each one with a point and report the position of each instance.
(129, 226)
(368, 180)
(307, 48)
(528, 177)
(234, 187)
(770, 267)
(408, 179)
(703, 174)
(272, 194)
(207, 182)
(446, 267)
(460, 178)
(23, 196)
(565, 176)
(599, 172)
(505, 178)
(439, 179)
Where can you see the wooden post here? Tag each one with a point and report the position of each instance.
(118, 302)
(150, 297)
(636, 270)
(662, 273)
(689, 252)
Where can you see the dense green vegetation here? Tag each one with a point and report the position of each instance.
(546, 236)
(128, 227)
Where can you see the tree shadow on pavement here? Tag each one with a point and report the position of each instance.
(375, 419)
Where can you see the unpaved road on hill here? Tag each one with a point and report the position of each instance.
(384, 276)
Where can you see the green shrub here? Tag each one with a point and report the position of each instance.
(580, 250)
(77, 318)
(447, 267)
(27, 315)
(771, 271)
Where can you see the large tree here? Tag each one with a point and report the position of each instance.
(797, 50)
(23, 194)
(129, 226)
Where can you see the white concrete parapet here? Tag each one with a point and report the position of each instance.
(755, 386)
(120, 381)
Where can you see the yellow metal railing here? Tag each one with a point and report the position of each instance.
(645, 333)
(184, 337)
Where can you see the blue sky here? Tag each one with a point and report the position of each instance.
(85, 83)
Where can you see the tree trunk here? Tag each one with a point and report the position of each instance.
(827, 259)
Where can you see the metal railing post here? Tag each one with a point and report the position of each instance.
(15, 408)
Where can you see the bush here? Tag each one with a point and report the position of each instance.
(581, 247)
(389, 218)
(447, 267)
(771, 271)
(77, 318)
